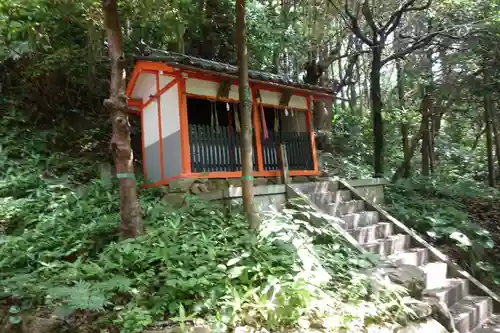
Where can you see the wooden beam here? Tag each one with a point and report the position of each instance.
(286, 95)
(224, 88)
(283, 161)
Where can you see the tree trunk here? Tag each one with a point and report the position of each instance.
(116, 104)
(404, 122)
(353, 97)
(411, 152)
(437, 118)
(425, 137)
(322, 110)
(246, 116)
(378, 125)
(496, 137)
(489, 139)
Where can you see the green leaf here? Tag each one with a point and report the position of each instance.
(15, 320)
(488, 244)
(233, 261)
(461, 239)
(182, 312)
(236, 271)
(14, 309)
(484, 266)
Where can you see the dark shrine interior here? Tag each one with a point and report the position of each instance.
(202, 112)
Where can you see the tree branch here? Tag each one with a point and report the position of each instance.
(423, 41)
(354, 25)
(347, 78)
(396, 17)
(367, 13)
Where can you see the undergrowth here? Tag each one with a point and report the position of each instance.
(59, 252)
(439, 208)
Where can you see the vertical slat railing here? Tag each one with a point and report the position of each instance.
(216, 149)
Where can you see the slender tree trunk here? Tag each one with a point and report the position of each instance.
(489, 139)
(437, 118)
(116, 104)
(411, 152)
(496, 137)
(378, 125)
(353, 97)
(404, 122)
(246, 116)
(425, 137)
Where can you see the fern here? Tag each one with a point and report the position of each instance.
(81, 296)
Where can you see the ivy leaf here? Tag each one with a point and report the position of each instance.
(461, 239)
(14, 309)
(484, 266)
(488, 244)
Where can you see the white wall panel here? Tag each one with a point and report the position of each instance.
(270, 97)
(170, 121)
(145, 85)
(165, 79)
(150, 119)
(201, 87)
(234, 93)
(299, 102)
(171, 132)
(273, 98)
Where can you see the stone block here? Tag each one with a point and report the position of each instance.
(198, 187)
(234, 182)
(32, 324)
(175, 199)
(427, 326)
(260, 181)
(300, 179)
(218, 184)
(180, 185)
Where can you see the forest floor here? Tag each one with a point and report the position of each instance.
(63, 267)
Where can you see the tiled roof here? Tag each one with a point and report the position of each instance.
(173, 59)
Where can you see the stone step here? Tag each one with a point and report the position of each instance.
(492, 325)
(371, 233)
(362, 219)
(414, 256)
(453, 291)
(322, 198)
(390, 245)
(470, 312)
(345, 207)
(435, 275)
(314, 187)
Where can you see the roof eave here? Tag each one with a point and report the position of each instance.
(325, 92)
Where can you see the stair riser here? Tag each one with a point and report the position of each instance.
(371, 233)
(455, 294)
(490, 326)
(389, 246)
(415, 257)
(308, 188)
(329, 197)
(435, 275)
(365, 227)
(481, 311)
(353, 221)
(346, 207)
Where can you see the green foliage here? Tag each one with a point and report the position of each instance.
(438, 209)
(59, 251)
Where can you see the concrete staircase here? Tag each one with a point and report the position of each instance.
(376, 232)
